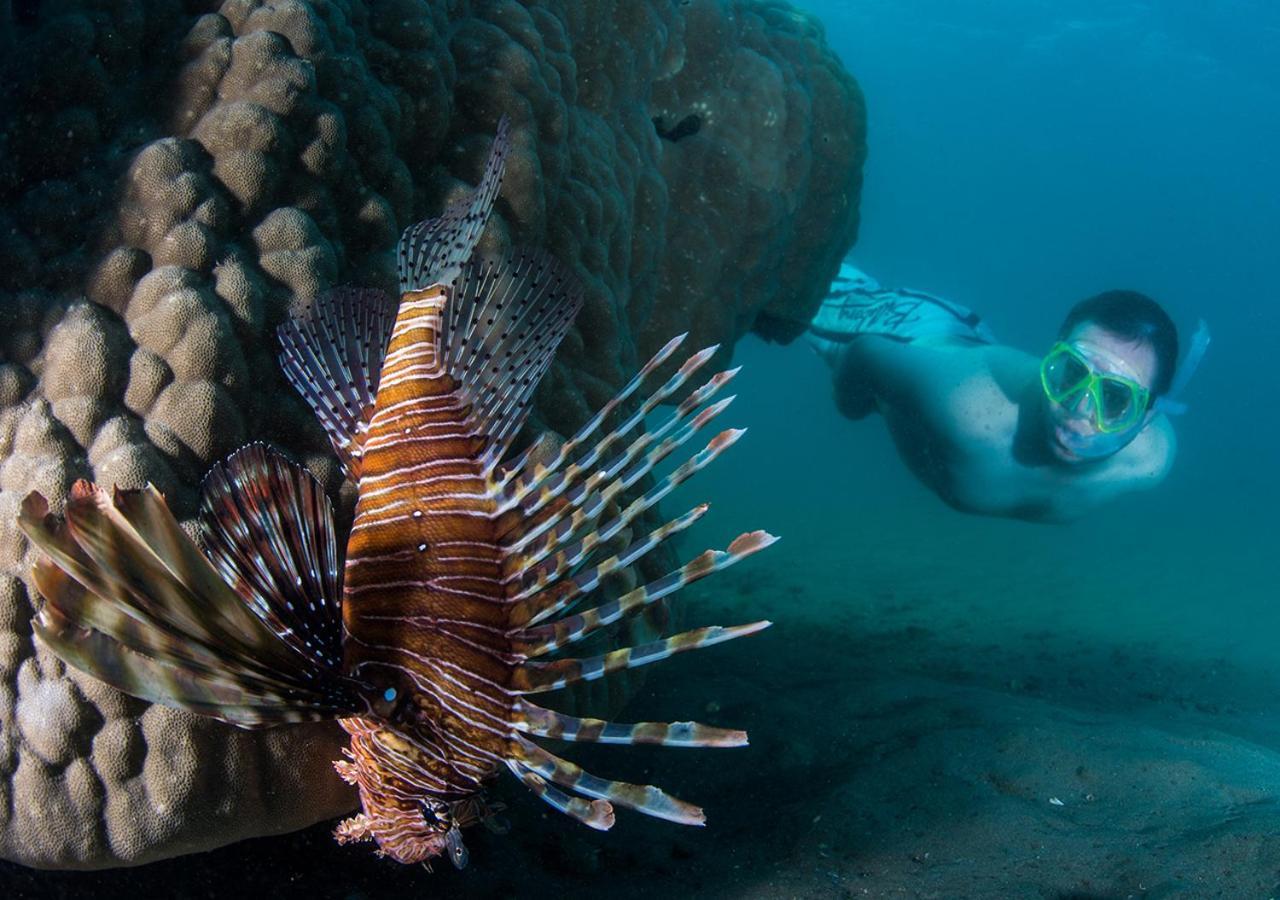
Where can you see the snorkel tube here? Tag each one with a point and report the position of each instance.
(1168, 403)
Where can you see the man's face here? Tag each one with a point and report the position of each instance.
(1073, 432)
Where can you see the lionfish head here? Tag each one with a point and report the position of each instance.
(407, 825)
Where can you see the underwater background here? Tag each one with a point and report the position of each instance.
(951, 706)
(1023, 156)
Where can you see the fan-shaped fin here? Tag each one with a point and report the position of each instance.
(536, 603)
(572, 540)
(525, 478)
(131, 600)
(332, 355)
(500, 329)
(597, 814)
(269, 529)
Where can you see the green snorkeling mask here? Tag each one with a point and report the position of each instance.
(1119, 403)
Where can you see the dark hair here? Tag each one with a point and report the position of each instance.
(1133, 317)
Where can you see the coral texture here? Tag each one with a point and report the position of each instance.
(173, 186)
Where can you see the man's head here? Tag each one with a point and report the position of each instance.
(1116, 353)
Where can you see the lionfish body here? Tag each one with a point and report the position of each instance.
(461, 571)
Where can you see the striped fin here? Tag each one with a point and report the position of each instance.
(542, 639)
(643, 798)
(584, 498)
(546, 485)
(141, 676)
(537, 677)
(555, 531)
(332, 354)
(501, 327)
(433, 251)
(531, 478)
(588, 499)
(548, 723)
(127, 548)
(568, 538)
(597, 814)
(132, 601)
(554, 485)
(269, 529)
(535, 604)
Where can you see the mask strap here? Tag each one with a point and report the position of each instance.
(1168, 403)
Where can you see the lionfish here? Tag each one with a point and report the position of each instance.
(462, 569)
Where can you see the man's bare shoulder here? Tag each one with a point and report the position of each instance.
(1142, 464)
(1148, 459)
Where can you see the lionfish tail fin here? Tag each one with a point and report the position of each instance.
(332, 355)
(433, 251)
(131, 600)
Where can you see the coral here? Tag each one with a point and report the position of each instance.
(172, 187)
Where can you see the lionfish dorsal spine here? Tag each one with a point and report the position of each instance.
(332, 354)
(434, 250)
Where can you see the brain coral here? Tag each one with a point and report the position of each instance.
(171, 187)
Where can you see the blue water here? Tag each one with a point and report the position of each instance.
(1024, 155)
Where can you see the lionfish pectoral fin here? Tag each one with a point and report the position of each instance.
(433, 251)
(566, 503)
(537, 640)
(354, 828)
(542, 722)
(131, 600)
(597, 814)
(644, 798)
(138, 675)
(537, 677)
(332, 355)
(269, 530)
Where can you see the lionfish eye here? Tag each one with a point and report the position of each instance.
(388, 701)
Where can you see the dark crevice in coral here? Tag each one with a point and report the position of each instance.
(686, 127)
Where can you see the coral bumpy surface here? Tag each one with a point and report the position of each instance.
(173, 187)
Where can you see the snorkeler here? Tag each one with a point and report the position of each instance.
(994, 430)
